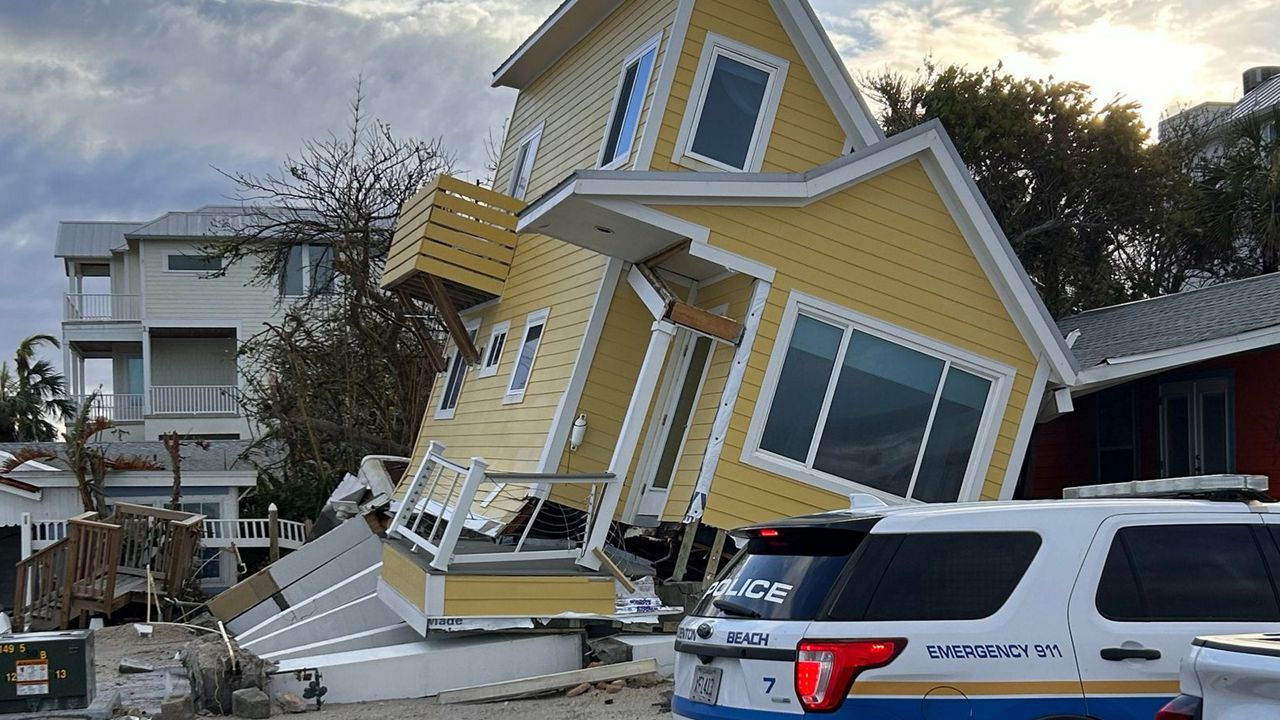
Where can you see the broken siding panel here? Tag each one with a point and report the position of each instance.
(526, 596)
(870, 257)
(805, 131)
(404, 576)
(574, 97)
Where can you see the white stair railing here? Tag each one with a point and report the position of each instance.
(217, 533)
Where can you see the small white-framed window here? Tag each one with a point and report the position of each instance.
(492, 354)
(628, 102)
(451, 391)
(194, 264)
(307, 270)
(851, 403)
(535, 326)
(732, 106)
(522, 170)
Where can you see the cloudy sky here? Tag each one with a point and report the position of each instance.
(121, 109)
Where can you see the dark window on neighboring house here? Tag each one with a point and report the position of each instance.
(935, 576)
(1117, 435)
(1188, 573)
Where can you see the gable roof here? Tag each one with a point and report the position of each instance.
(1146, 335)
(927, 142)
(201, 222)
(90, 238)
(574, 19)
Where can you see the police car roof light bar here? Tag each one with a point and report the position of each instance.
(1232, 488)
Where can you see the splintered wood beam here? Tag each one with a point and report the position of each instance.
(452, 320)
(662, 256)
(658, 283)
(705, 322)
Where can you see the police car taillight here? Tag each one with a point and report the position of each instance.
(1183, 707)
(826, 670)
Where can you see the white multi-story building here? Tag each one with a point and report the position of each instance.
(1261, 94)
(141, 295)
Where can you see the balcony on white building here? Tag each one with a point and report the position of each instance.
(101, 307)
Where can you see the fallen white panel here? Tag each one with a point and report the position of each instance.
(395, 634)
(661, 648)
(361, 614)
(355, 587)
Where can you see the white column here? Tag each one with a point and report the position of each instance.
(629, 438)
(67, 368)
(146, 371)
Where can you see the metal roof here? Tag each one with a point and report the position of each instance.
(202, 222)
(1258, 99)
(1175, 321)
(90, 238)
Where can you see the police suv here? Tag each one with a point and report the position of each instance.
(1052, 610)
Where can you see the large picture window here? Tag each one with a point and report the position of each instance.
(735, 95)
(633, 86)
(853, 403)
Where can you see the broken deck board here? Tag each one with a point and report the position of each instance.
(546, 683)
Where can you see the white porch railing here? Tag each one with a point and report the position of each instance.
(195, 399)
(439, 487)
(243, 533)
(119, 408)
(99, 306)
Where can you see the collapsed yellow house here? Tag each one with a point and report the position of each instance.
(704, 288)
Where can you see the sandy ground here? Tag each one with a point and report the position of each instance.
(140, 694)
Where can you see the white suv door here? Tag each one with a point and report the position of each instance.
(1149, 584)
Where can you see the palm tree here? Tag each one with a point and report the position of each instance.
(32, 395)
(1239, 197)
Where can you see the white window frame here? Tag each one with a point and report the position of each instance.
(716, 46)
(632, 59)
(533, 319)
(443, 413)
(489, 365)
(523, 172)
(222, 265)
(307, 289)
(1000, 375)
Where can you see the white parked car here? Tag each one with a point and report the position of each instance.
(1229, 677)
(1052, 610)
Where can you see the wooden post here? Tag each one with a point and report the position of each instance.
(713, 558)
(686, 547)
(273, 531)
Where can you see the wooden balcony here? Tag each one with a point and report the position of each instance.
(459, 234)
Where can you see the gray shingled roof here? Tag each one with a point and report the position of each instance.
(222, 455)
(1174, 321)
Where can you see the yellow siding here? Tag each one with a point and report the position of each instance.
(805, 133)
(888, 248)
(526, 596)
(405, 577)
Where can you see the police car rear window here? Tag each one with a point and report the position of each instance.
(935, 576)
(783, 577)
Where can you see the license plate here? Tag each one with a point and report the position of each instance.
(706, 685)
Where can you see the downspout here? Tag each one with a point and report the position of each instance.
(728, 398)
(628, 439)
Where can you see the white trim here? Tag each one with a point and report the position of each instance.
(308, 282)
(198, 273)
(998, 374)
(716, 46)
(443, 413)
(402, 606)
(567, 408)
(532, 320)
(1131, 366)
(532, 139)
(1026, 424)
(488, 368)
(647, 293)
(633, 58)
(829, 72)
(662, 91)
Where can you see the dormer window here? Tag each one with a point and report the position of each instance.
(633, 86)
(732, 106)
(526, 151)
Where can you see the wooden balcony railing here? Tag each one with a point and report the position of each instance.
(101, 307)
(462, 234)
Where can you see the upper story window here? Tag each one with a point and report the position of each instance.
(200, 264)
(492, 354)
(633, 86)
(307, 271)
(732, 105)
(534, 327)
(454, 375)
(526, 152)
(850, 402)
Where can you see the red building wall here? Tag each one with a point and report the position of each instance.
(1063, 451)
